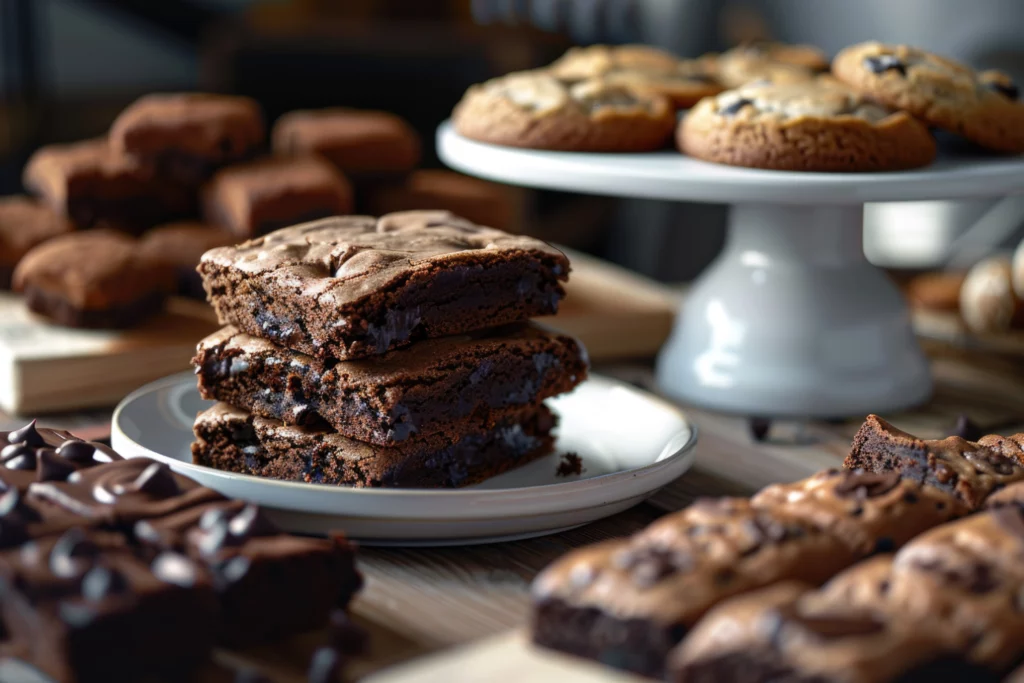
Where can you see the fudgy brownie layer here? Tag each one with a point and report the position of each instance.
(233, 440)
(449, 386)
(65, 313)
(354, 286)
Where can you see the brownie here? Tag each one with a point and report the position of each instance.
(270, 585)
(92, 184)
(448, 386)
(230, 439)
(37, 454)
(185, 137)
(96, 279)
(790, 634)
(356, 286)
(66, 600)
(628, 602)
(24, 224)
(358, 142)
(262, 196)
(970, 470)
(180, 246)
(480, 201)
(120, 493)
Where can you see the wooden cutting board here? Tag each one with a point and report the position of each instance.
(47, 368)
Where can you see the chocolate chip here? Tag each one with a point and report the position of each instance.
(967, 429)
(861, 485)
(883, 63)
(10, 501)
(729, 110)
(157, 481)
(19, 457)
(250, 522)
(52, 467)
(77, 451)
(1008, 89)
(325, 667)
(73, 554)
(345, 635)
(884, 545)
(101, 582)
(27, 435)
(174, 568)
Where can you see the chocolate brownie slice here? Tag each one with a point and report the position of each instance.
(262, 196)
(355, 286)
(480, 201)
(91, 183)
(95, 279)
(180, 246)
(231, 439)
(188, 136)
(24, 224)
(447, 386)
(970, 470)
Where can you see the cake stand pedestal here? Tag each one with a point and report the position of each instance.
(790, 320)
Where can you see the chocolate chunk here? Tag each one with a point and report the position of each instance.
(966, 428)
(884, 544)
(731, 109)
(101, 582)
(325, 666)
(883, 63)
(1010, 520)
(174, 568)
(825, 626)
(27, 435)
(861, 485)
(73, 554)
(649, 564)
(19, 457)
(77, 451)
(52, 467)
(1010, 90)
(157, 481)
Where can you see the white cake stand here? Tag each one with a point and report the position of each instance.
(790, 320)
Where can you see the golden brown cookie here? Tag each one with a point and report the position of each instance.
(596, 60)
(536, 110)
(773, 62)
(812, 126)
(981, 107)
(987, 300)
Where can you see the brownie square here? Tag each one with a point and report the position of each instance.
(67, 600)
(447, 386)
(231, 439)
(185, 137)
(354, 286)
(180, 246)
(94, 279)
(262, 196)
(480, 201)
(92, 184)
(358, 142)
(24, 224)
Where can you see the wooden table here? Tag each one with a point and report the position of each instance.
(421, 601)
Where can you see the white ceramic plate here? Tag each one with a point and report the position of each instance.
(631, 444)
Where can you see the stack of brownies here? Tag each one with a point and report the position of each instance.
(392, 351)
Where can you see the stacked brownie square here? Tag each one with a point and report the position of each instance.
(392, 351)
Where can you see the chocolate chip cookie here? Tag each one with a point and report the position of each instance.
(535, 109)
(812, 126)
(982, 107)
(772, 62)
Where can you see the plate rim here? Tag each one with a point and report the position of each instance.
(557, 497)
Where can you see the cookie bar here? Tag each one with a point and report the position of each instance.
(811, 126)
(91, 184)
(790, 633)
(181, 246)
(358, 142)
(968, 470)
(188, 136)
(24, 224)
(479, 201)
(627, 602)
(262, 196)
(66, 599)
(356, 286)
(447, 386)
(230, 439)
(96, 279)
(270, 585)
(537, 110)
(982, 107)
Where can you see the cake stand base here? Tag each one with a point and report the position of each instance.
(792, 321)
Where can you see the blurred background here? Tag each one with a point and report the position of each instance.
(69, 66)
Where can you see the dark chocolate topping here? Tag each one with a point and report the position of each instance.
(157, 481)
(250, 522)
(861, 485)
(77, 451)
(101, 582)
(19, 457)
(27, 435)
(73, 554)
(175, 568)
(882, 63)
(50, 466)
